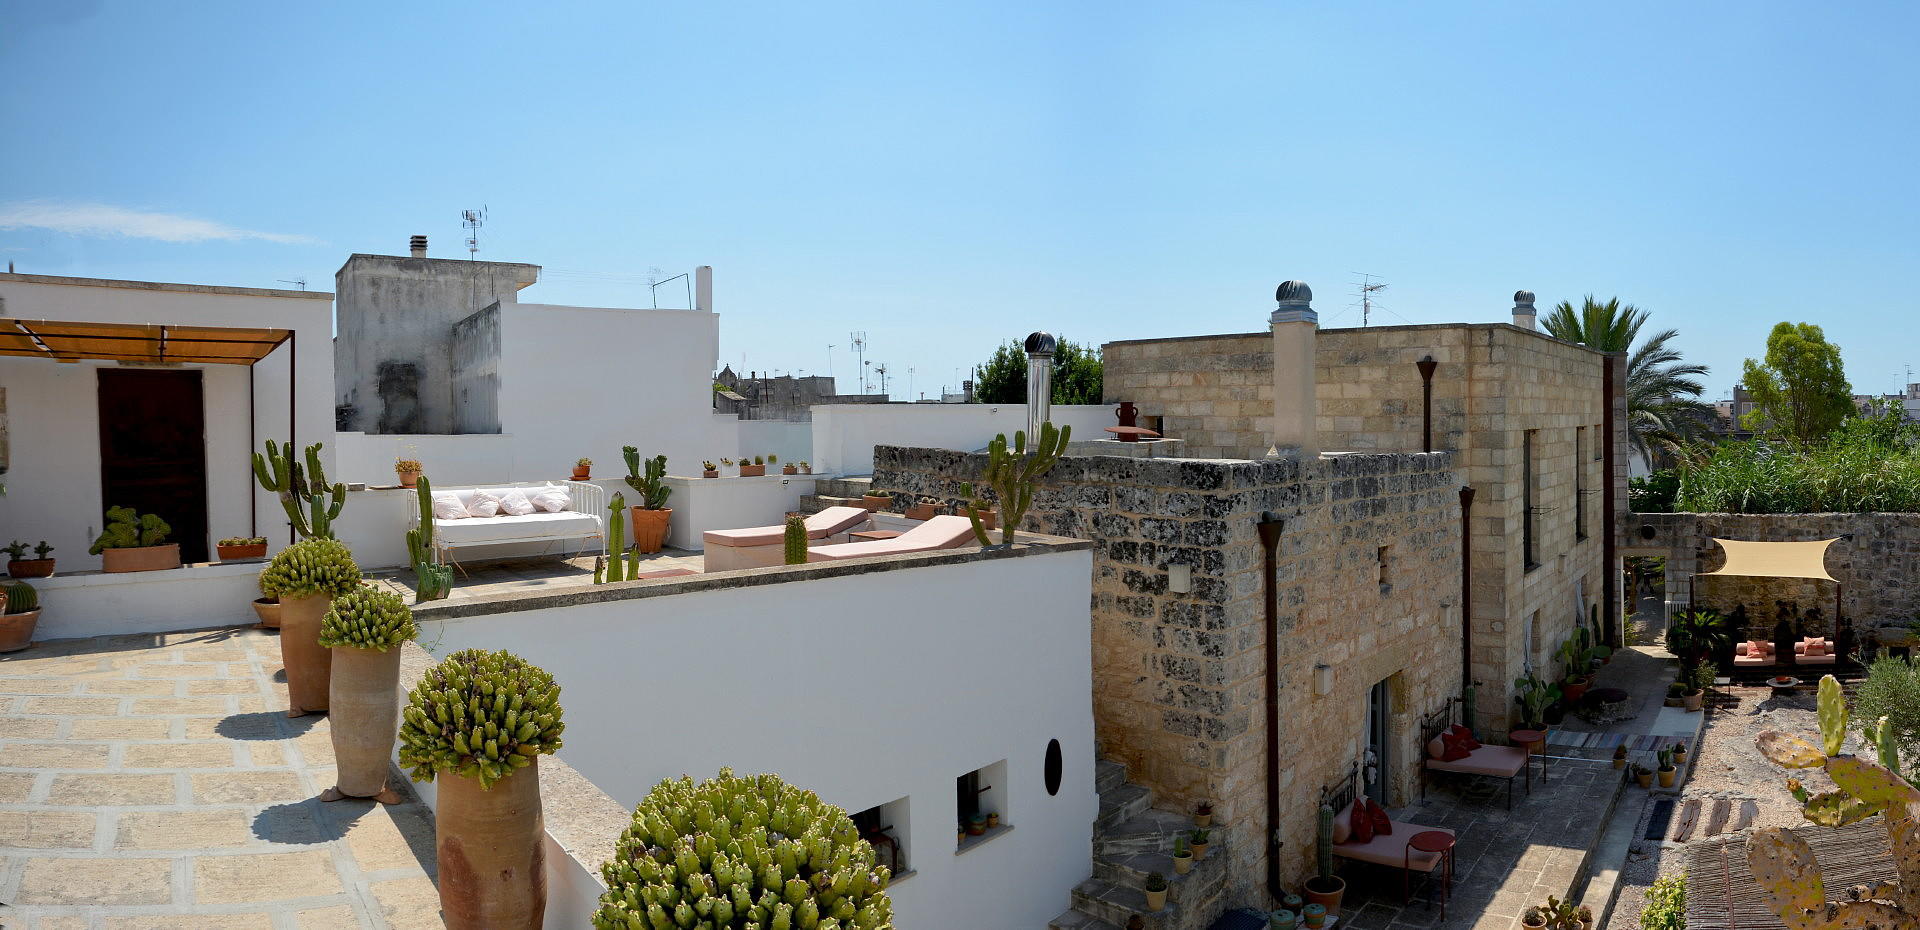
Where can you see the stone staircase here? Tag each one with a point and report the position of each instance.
(835, 492)
(1130, 840)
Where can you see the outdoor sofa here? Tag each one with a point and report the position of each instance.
(1389, 850)
(763, 546)
(1753, 654)
(1814, 650)
(579, 517)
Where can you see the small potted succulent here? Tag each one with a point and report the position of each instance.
(235, 548)
(1197, 841)
(133, 542)
(1667, 770)
(1676, 694)
(19, 613)
(925, 510)
(1643, 775)
(19, 566)
(1156, 891)
(305, 577)
(583, 469)
(806, 467)
(364, 629)
(1699, 680)
(1620, 756)
(993, 819)
(707, 470)
(1203, 814)
(791, 468)
(876, 500)
(1533, 917)
(1679, 754)
(1585, 915)
(753, 469)
(408, 470)
(1182, 856)
(1292, 902)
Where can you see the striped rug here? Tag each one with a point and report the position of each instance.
(1635, 742)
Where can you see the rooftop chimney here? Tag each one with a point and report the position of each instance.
(1040, 348)
(1523, 314)
(1295, 329)
(417, 246)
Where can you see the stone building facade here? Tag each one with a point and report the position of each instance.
(755, 396)
(1367, 583)
(1524, 415)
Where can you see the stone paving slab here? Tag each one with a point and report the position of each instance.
(153, 782)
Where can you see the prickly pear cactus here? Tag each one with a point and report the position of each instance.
(367, 618)
(795, 540)
(315, 565)
(1783, 864)
(738, 853)
(481, 715)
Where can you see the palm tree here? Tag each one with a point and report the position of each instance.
(1664, 410)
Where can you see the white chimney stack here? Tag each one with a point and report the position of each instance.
(1295, 408)
(417, 246)
(703, 288)
(1040, 348)
(1523, 313)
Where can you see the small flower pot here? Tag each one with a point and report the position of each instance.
(1533, 922)
(1680, 757)
(1199, 850)
(789, 469)
(1292, 903)
(408, 478)
(1282, 919)
(993, 820)
(922, 512)
(1694, 700)
(30, 568)
(580, 474)
(977, 825)
(1575, 690)
(1619, 763)
(16, 630)
(1157, 900)
(710, 473)
(268, 610)
(876, 502)
(141, 558)
(1325, 892)
(1666, 777)
(1203, 821)
(752, 471)
(989, 519)
(1183, 864)
(309, 665)
(1645, 780)
(236, 553)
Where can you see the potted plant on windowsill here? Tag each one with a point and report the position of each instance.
(306, 577)
(1325, 888)
(19, 613)
(583, 469)
(1182, 856)
(19, 566)
(234, 548)
(408, 471)
(806, 467)
(364, 629)
(652, 516)
(487, 824)
(707, 470)
(1156, 889)
(135, 543)
(976, 824)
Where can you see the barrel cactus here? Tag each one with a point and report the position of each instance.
(317, 565)
(1783, 864)
(795, 539)
(751, 852)
(21, 597)
(481, 715)
(367, 618)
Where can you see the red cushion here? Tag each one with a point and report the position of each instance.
(1382, 824)
(1466, 737)
(1362, 822)
(1455, 749)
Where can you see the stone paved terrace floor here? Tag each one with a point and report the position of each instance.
(520, 576)
(154, 782)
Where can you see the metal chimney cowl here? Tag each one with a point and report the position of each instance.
(417, 246)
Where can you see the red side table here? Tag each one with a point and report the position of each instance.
(1536, 742)
(1430, 841)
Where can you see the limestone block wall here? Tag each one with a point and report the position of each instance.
(1368, 583)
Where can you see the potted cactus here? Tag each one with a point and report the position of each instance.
(876, 500)
(698, 843)
(234, 548)
(133, 542)
(1533, 917)
(1203, 814)
(305, 577)
(364, 629)
(790, 469)
(1643, 775)
(408, 471)
(19, 613)
(651, 516)
(19, 566)
(431, 580)
(806, 467)
(925, 510)
(1667, 771)
(1197, 840)
(483, 720)
(1620, 756)
(583, 469)
(1325, 888)
(1182, 856)
(707, 470)
(794, 540)
(1679, 753)
(753, 469)
(1156, 891)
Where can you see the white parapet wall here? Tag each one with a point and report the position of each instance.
(187, 598)
(844, 434)
(876, 684)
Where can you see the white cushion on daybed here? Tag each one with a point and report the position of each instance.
(487, 529)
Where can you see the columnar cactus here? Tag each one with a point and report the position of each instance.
(749, 852)
(1323, 843)
(651, 487)
(315, 566)
(367, 618)
(481, 715)
(616, 538)
(278, 471)
(795, 540)
(1783, 864)
(1013, 475)
(431, 581)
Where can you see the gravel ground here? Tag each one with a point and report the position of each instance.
(1727, 766)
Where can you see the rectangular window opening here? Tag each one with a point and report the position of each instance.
(980, 798)
(1579, 485)
(1530, 554)
(885, 828)
(1385, 557)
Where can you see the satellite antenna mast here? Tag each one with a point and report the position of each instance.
(881, 370)
(473, 220)
(859, 342)
(303, 286)
(1367, 288)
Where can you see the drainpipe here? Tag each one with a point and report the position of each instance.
(1040, 348)
(1426, 366)
(1466, 606)
(1608, 543)
(1270, 525)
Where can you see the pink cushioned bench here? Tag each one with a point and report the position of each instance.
(1753, 653)
(942, 532)
(1391, 849)
(762, 546)
(1814, 650)
(1488, 761)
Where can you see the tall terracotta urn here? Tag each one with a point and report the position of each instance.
(363, 717)
(492, 852)
(309, 665)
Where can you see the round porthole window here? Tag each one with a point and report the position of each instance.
(1053, 766)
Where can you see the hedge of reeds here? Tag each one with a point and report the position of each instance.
(1871, 464)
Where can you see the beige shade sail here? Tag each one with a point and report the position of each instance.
(1776, 559)
(68, 341)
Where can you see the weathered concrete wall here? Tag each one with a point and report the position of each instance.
(1179, 678)
(476, 372)
(393, 360)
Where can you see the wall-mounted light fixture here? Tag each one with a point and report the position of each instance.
(1323, 679)
(1180, 578)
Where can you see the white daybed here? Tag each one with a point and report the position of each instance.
(582, 521)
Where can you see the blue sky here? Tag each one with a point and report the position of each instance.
(944, 176)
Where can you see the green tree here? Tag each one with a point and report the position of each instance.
(1801, 391)
(1002, 379)
(1664, 410)
(1892, 690)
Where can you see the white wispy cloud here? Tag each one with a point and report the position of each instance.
(99, 219)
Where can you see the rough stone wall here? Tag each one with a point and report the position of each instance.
(1876, 566)
(476, 372)
(1494, 383)
(1179, 678)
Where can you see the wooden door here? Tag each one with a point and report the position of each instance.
(153, 450)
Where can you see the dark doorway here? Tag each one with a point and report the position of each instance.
(153, 450)
(1379, 699)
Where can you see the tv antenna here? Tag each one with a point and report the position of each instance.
(1367, 288)
(303, 286)
(881, 370)
(859, 342)
(473, 220)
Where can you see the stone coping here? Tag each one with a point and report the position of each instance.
(1404, 327)
(165, 286)
(1027, 544)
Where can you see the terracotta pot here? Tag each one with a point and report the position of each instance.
(582, 474)
(789, 469)
(1619, 763)
(1182, 864)
(309, 665)
(710, 473)
(876, 502)
(1203, 821)
(752, 471)
(1695, 701)
(1574, 692)
(408, 478)
(141, 558)
(1199, 850)
(1157, 900)
(30, 568)
(1535, 922)
(1666, 777)
(922, 512)
(268, 610)
(493, 852)
(993, 820)
(1646, 781)
(232, 553)
(989, 519)
(16, 630)
(1326, 892)
(363, 714)
(649, 527)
